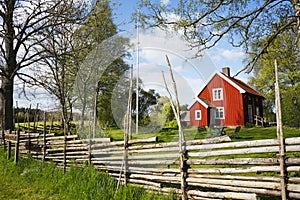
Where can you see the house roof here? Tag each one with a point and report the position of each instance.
(185, 116)
(244, 86)
(236, 83)
(209, 104)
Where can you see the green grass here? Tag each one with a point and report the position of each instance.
(31, 179)
(256, 133)
(191, 133)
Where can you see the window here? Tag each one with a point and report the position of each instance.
(250, 113)
(257, 111)
(198, 115)
(220, 113)
(217, 94)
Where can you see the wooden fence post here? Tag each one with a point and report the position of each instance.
(3, 139)
(17, 147)
(90, 152)
(182, 142)
(8, 150)
(44, 137)
(280, 137)
(65, 152)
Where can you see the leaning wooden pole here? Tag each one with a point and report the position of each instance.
(127, 131)
(280, 137)
(182, 143)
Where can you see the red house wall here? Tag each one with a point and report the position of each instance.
(232, 101)
(204, 114)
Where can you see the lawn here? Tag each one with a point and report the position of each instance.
(191, 133)
(31, 179)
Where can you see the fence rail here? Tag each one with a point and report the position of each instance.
(217, 167)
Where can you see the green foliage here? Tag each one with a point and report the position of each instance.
(101, 80)
(31, 179)
(249, 125)
(172, 124)
(287, 55)
(146, 100)
(167, 109)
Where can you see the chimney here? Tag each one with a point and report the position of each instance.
(226, 71)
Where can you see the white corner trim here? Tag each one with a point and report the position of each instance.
(231, 82)
(201, 102)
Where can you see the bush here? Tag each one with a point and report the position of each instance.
(249, 125)
(172, 124)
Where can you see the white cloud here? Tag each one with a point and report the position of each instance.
(219, 54)
(165, 2)
(190, 72)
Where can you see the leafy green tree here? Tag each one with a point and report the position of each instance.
(146, 100)
(21, 31)
(104, 76)
(287, 55)
(205, 22)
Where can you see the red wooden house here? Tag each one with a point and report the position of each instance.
(225, 101)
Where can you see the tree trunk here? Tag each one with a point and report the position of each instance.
(296, 4)
(11, 65)
(7, 94)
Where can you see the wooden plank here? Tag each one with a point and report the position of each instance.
(165, 179)
(293, 187)
(234, 177)
(143, 162)
(223, 195)
(256, 169)
(143, 140)
(238, 183)
(244, 151)
(238, 189)
(97, 140)
(11, 137)
(234, 161)
(169, 144)
(80, 148)
(141, 157)
(62, 137)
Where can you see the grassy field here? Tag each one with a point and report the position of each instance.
(31, 179)
(191, 133)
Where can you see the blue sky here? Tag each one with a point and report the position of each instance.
(222, 55)
(152, 60)
(152, 56)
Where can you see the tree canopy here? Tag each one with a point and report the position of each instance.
(286, 53)
(205, 22)
(22, 29)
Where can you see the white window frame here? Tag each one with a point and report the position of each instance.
(218, 111)
(196, 115)
(217, 94)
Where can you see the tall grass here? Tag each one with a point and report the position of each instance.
(31, 179)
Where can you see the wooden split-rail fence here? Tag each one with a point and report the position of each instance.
(217, 168)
